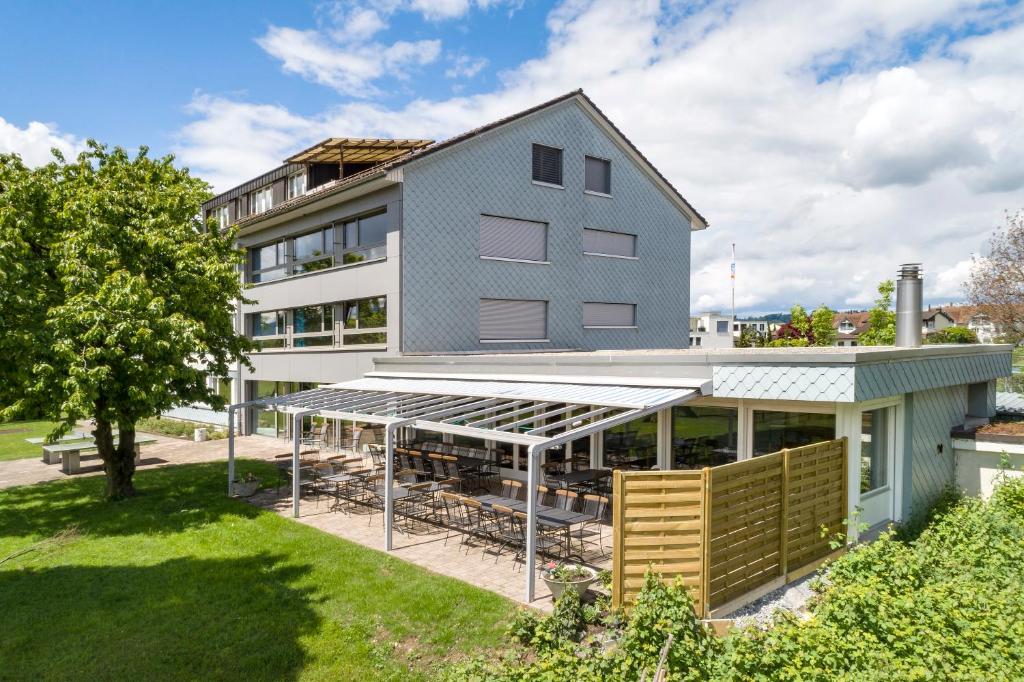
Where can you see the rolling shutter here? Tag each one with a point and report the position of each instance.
(509, 238)
(609, 315)
(547, 164)
(609, 243)
(598, 175)
(512, 320)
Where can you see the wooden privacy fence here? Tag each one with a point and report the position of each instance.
(731, 530)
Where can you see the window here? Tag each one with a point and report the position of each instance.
(268, 262)
(513, 239)
(735, 327)
(633, 445)
(598, 174)
(313, 326)
(609, 315)
(722, 326)
(261, 200)
(269, 330)
(703, 436)
(313, 251)
(363, 322)
(296, 184)
(513, 320)
(605, 243)
(366, 321)
(698, 342)
(874, 449)
(365, 238)
(222, 216)
(547, 165)
(776, 430)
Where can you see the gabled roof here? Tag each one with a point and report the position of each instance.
(419, 151)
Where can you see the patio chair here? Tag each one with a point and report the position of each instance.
(508, 530)
(315, 437)
(511, 489)
(377, 455)
(595, 508)
(482, 521)
(551, 541)
(437, 466)
(421, 468)
(542, 496)
(565, 499)
(456, 517)
(452, 471)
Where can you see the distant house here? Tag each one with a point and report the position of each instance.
(711, 330)
(849, 326)
(764, 327)
(935, 320)
(980, 323)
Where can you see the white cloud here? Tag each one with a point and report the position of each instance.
(464, 66)
(830, 141)
(34, 142)
(350, 69)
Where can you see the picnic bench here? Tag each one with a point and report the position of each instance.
(73, 436)
(69, 455)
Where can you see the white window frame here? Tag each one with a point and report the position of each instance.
(261, 200)
(293, 180)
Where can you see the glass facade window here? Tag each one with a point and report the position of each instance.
(365, 238)
(774, 431)
(704, 436)
(268, 262)
(633, 445)
(313, 251)
(366, 314)
(364, 323)
(874, 449)
(261, 200)
(313, 326)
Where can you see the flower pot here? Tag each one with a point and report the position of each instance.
(245, 488)
(557, 587)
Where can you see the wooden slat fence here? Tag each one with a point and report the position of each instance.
(732, 529)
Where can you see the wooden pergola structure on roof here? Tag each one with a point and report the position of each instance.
(357, 150)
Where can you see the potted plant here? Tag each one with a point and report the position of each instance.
(245, 486)
(559, 576)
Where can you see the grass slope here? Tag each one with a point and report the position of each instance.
(13, 435)
(183, 583)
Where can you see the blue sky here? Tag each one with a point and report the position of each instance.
(829, 141)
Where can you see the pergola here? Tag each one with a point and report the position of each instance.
(537, 414)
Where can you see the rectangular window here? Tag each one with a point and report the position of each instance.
(776, 430)
(365, 238)
(605, 243)
(366, 321)
(874, 449)
(221, 216)
(598, 175)
(703, 436)
(363, 322)
(269, 330)
(513, 320)
(513, 239)
(296, 185)
(547, 165)
(313, 251)
(313, 326)
(268, 262)
(722, 326)
(261, 200)
(633, 445)
(609, 315)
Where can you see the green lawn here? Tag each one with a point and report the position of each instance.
(13, 435)
(183, 583)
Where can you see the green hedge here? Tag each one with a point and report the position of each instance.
(947, 604)
(177, 429)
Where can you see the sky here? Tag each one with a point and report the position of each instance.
(829, 141)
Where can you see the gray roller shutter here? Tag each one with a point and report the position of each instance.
(598, 174)
(512, 320)
(609, 315)
(609, 243)
(509, 238)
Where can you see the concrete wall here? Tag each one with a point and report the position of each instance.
(328, 286)
(444, 277)
(932, 462)
(979, 464)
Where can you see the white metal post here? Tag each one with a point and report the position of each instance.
(533, 454)
(389, 490)
(296, 474)
(231, 450)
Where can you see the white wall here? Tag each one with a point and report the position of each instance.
(978, 464)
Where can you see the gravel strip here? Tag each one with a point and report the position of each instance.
(792, 597)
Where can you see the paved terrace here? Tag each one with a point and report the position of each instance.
(165, 452)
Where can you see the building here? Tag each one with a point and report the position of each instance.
(973, 318)
(711, 330)
(545, 230)
(850, 325)
(762, 327)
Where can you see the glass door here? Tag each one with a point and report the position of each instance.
(877, 455)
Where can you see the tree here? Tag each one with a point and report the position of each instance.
(800, 320)
(751, 338)
(953, 335)
(881, 329)
(996, 282)
(822, 329)
(796, 332)
(116, 300)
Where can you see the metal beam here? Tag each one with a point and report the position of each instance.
(570, 420)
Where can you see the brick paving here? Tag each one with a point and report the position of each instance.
(424, 545)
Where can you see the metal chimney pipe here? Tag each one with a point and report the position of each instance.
(908, 305)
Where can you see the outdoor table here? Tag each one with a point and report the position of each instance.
(549, 515)
(579, 477)
(73, 436)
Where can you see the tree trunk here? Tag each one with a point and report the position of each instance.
(118, 460)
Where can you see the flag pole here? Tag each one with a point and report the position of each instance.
(732, 275)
